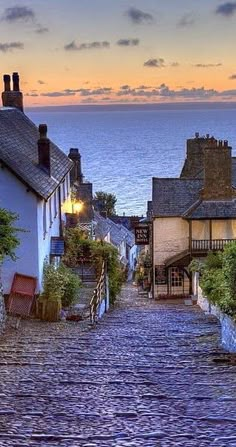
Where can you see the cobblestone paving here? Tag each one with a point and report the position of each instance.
(148, 375)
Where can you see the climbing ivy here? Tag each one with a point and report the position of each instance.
(8, 234)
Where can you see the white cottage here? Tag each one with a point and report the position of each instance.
(34, 183)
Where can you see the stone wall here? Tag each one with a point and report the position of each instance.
(228, 325)
(2, 313)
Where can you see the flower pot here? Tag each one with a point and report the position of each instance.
(48, 310)
(52, 311)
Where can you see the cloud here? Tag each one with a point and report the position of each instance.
(41, 29)
(165, 92)
(58, 94)
(174, 64)
(186, 20)
(219, 64)
(10, 46)
(32, 94)
(41, 82)
(156, 63)
(81, 91)
(226, 9)
(72, 46)
(128, 42)
(18, 13)
(232, 77)
(139, 17)
(98, 91)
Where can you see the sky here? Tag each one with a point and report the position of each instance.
(120, 51)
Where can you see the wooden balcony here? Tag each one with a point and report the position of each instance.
(203, 246)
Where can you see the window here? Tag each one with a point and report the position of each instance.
(44, 218)
(177, 277)
(50, 212)
(55, 204)
(68, 184)
(63, 191)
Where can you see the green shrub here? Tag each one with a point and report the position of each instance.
(79, 246)
(228, 304)
(104, 252)
(213, 285)
(60, 284)
(54, 282)
(218, 280)
(73, 285)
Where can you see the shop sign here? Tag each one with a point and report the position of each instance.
(142, 235)
(160, 275)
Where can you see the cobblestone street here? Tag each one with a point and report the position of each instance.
(150, 374)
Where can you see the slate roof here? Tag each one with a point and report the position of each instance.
(129, 236)
(116, 235)
(19, 152)
(212, 210)
(181, 197)
(102, 226)
(174, 196)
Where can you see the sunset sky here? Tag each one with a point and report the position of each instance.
(112, 51)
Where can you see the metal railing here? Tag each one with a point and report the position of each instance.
(97, 297)
(207, 245)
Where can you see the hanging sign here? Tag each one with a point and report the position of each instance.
(142, 235)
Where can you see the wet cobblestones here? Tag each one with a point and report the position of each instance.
(148, 375)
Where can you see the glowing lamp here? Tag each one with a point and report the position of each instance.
(77, 207)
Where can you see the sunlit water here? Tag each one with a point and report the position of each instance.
(122, 150)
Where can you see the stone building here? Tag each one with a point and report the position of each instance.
(34, 183)
(192, 214)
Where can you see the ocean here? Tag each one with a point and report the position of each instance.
(122, 149)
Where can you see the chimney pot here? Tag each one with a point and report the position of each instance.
(16, 82)
(7, 83)
(197, 135)
(12, 98)
(76, 175)
(43, 128)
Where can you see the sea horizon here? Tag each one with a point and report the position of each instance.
(122, 150)
(134, 106)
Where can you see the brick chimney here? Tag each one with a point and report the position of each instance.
(194, 161)
(217, 171)
(76, 175)
(12, 98)
(44, 149)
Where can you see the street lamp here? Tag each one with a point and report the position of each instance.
(77, 207)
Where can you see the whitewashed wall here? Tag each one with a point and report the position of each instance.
(171, 236)
(35, 242)
(16, 197)
(52, 225)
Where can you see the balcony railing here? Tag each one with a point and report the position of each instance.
(206, 245)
